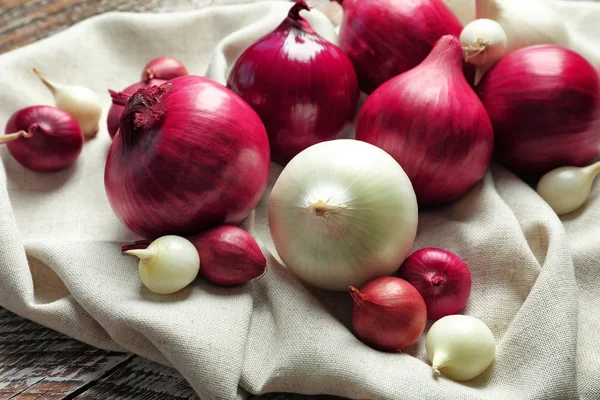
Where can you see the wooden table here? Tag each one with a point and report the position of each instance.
(39, 363)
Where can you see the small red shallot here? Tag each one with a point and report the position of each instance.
(43, 138)
(388, 313)
(441, 277)
(164, 68)
(229, 256)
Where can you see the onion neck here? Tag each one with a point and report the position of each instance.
(356, 295)
(593, 169)
(448, 53)
(296, 20)
(142, 112)
(9, 137)
(142, 254)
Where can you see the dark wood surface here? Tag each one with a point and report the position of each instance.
(37, 363)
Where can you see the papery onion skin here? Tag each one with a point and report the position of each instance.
(388, 314)
(432, 123)
(164, 68)
(55, 140)
(302, 86)
(385, 38)
(544, 104)
(341, 213)
(229, 256)
(441, 277)
(189, 155)
(113, 120)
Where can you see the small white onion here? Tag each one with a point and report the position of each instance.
(484, 43)
(566, 189)
(79, 101)
(342, 213)
(460, 347)
(169, 264)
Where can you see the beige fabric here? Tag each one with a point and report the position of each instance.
(536, 281)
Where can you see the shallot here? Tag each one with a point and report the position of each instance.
(566, 189)
(164, 68)
(388, 314)
(79, 101)
(441, 277)
(190, 155)
(229, 256)
(544, 104)
(302, 86)
(168, 264)
(433, 124)
(341, 213)
(43, 138)
(460, 347)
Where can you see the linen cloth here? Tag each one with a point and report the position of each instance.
(536, 278)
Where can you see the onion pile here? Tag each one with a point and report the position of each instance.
(303, 87)
(190, 155)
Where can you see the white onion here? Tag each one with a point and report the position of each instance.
(484, 42)
(460, 347)
(342, 213)
(168, 264)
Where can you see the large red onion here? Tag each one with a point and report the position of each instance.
(303, 87)
(385, 38)
(190, 155)
(43, 138)
(119, 99)
(544, 103)
(430, 120)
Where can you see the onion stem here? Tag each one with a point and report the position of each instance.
(45, 81)
(142, 254)
(12, 136)
(593, 169)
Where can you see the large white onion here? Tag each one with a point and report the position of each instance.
(342, 213)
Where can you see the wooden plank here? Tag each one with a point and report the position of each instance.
(36, 361)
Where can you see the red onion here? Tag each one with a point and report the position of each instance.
(43, 138)
(544, 103)
(229, 256)
(190, 155)
(119, 99)
(164, 68)
(303, 87)
(388, 314)
(430, 120)
(441, 277)
(384, 38)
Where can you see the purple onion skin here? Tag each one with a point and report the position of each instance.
(385, 38)
(189, 155)
(544, 103)
(441, 277)
(113, 120)
(229, 256)
(55, 143)
(303, 87)
(431, 121)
